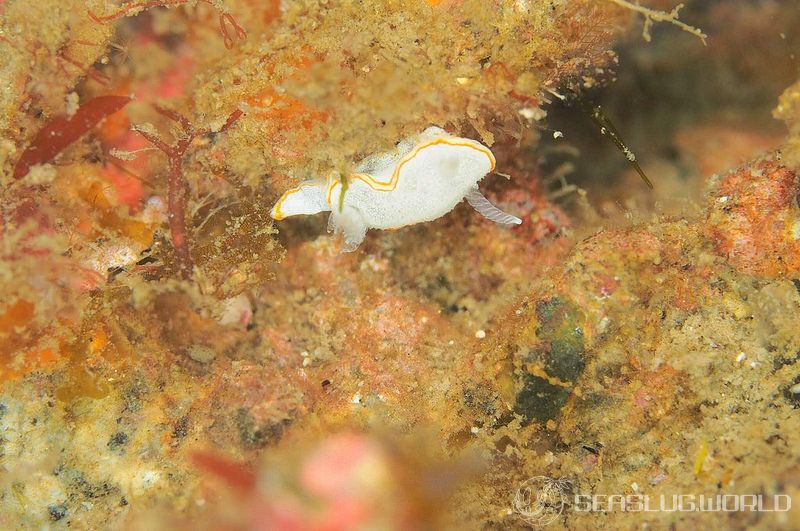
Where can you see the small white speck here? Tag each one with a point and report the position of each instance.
(740, 358)
(356, 399)
(149, 478)
(474, 430)
(451, 342)
(795, 389)
(635, 486)
(723, 199)
(530, 113)
(558, 134)
(753, 364)
(480, 334)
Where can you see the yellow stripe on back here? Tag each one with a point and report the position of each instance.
(389, 186)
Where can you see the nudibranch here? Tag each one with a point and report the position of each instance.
(423, 179)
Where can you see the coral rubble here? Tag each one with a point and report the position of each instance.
(170, 357)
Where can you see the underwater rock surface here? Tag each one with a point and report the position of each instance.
(170, 358)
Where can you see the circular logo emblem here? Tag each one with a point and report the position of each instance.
(541, 499)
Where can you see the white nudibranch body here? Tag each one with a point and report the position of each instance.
(422, 179)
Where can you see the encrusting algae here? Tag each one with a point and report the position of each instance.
(171, 357)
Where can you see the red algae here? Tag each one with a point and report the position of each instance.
(60, 132)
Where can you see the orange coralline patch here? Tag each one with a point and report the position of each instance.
(129, 187)
(270, 10)
(82, 379)
(99, 341)
(279, 343)
(717, 147)
(754, 219)
(99, 210)
(16, 316)
(398, 321)
(313, 264)
(685, 295)
(281, 110)
(127, 177)
(253, 404)
(597, 276)
(31, 361)
(688, 290)
(655, 396)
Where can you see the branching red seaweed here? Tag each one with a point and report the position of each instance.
(134, 8)
(176, 186)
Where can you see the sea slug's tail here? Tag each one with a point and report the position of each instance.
(489, 211)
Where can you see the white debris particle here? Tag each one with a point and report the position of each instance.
(475, 430)
(149, 478)
(480, 334)
(795, 389)
(356, 399)
(740, 358)
(41, 174)
(532, 113)
(558, 134)
(122, 154)
(723, 199)
(72, 104)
